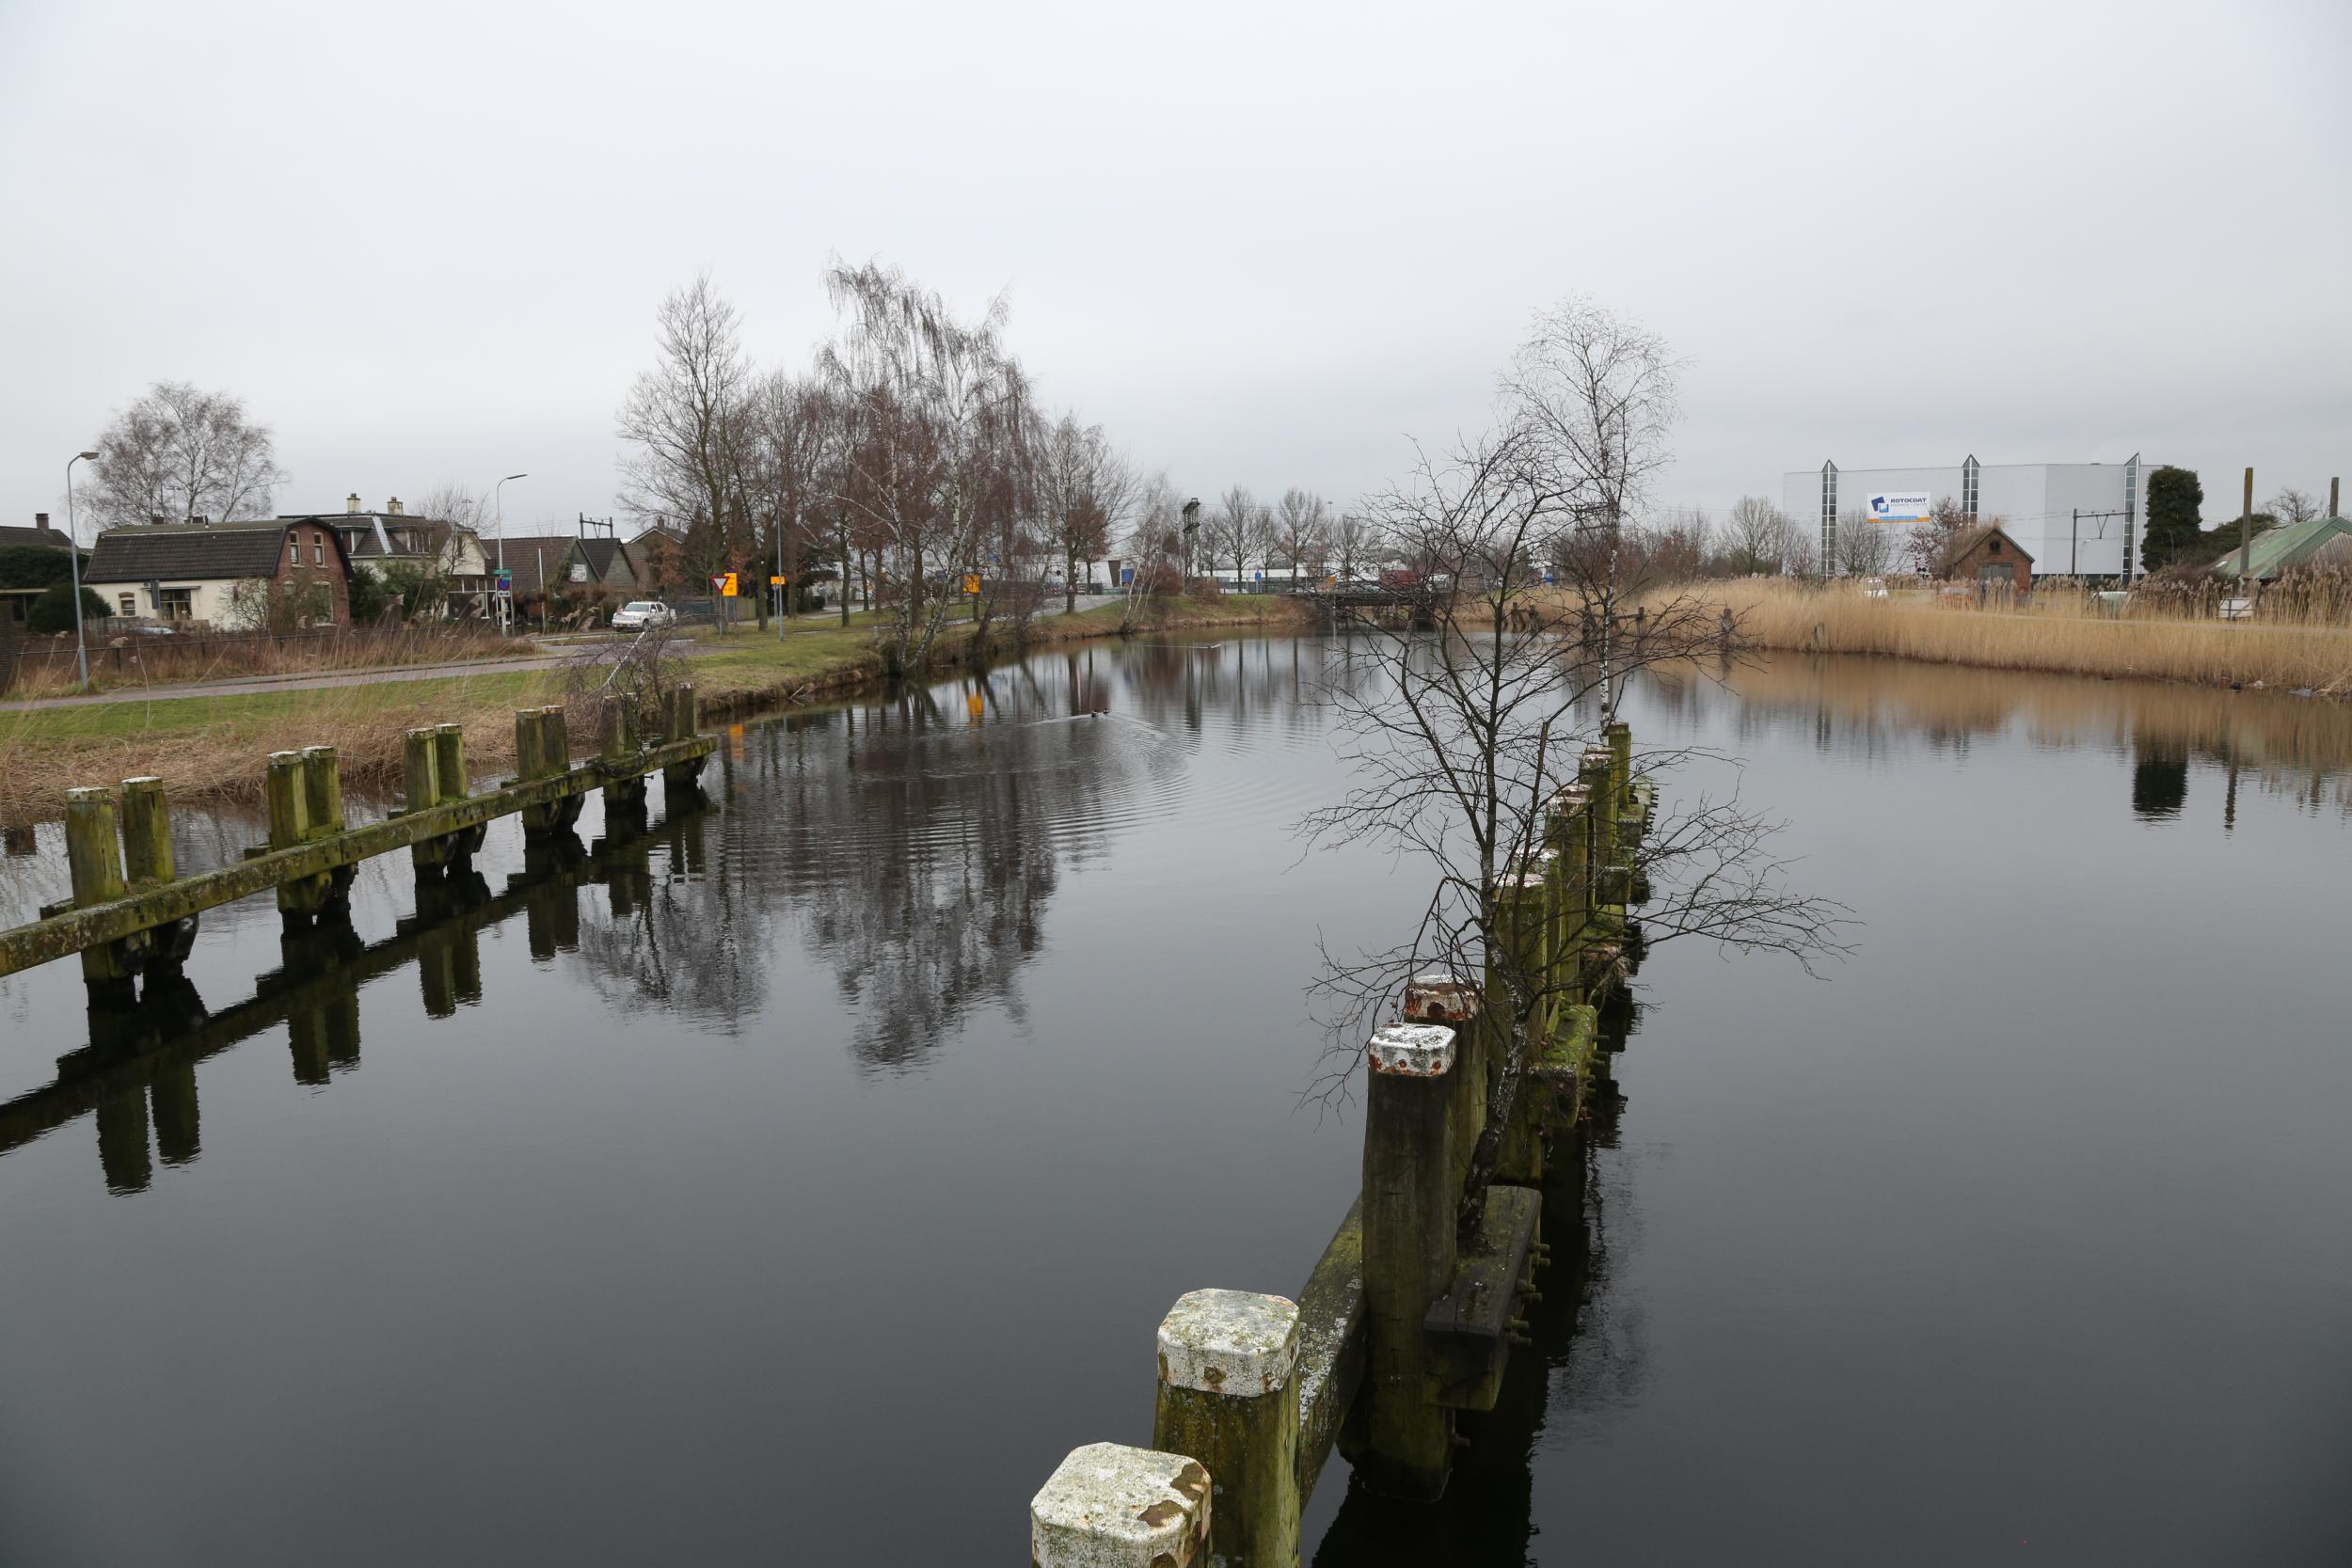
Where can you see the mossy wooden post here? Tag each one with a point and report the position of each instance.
(322, 791)
(1566, 834)
(420, 771)
(685, 719)
(1618, 736)
(617, 744)
(1605, 916)
(449, 759)
(287, 788)
(1410, 1195)
(148, 862)
(541, 751)
(1109, 1506)
(1523, 910)
(94, 862)
(1227, 1394)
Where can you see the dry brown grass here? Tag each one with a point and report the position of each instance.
(2054, 632)
(46, 667)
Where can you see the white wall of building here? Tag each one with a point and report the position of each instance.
(2034, 501)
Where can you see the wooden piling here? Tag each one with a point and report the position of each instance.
(146, 855)
(449, 754)
(684, 717)
(1409, 1197)
(94, 864)
(421, 773)
(289, 801)
(617, 744)
(1227, 1396)
(322, 791)
(1109, 1506)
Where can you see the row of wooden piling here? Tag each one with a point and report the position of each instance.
(131, 914)
(1411, 1315)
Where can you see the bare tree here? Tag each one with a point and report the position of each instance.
(785, 477)
(1465, 742)
(1156, 548)
(180, 454)
(1239, 530)
(1930, 544)
(1356, 542)
(2292, 506)
(1865, 548)
(1301, 523)
(1086, 489)
(937, 412)
(684, 427)
(1756, 537)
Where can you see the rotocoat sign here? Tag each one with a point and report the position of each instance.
(1900, 506)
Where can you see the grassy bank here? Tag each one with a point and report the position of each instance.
(2055, 632)
(212, 748)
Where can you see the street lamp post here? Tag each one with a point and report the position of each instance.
(498, 500)
(74, 566)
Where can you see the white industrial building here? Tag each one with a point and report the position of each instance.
(2076, 520)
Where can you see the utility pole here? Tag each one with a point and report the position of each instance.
(2246, 544)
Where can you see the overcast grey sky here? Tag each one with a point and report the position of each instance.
(1262, 244)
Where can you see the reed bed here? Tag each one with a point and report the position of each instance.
(2053, 631)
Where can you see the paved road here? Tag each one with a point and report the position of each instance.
(253, 685)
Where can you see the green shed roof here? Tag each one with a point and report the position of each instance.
(2278, 549)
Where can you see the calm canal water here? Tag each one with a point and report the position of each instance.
(799, 1180)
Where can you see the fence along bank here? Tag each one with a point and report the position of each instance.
(1409, 1317)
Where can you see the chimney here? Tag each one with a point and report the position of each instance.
(392, 507)
(40, 520)
(350, 503)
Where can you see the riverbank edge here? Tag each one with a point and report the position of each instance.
(367, 730)
(2306, 660)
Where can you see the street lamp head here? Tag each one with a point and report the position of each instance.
(89, 457)
(513, 476)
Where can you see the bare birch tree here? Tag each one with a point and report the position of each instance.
(937, 410)
(1756, 537)
(1865, 548)
(1086, 489)
(180, 454)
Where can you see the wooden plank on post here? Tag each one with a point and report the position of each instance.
(1226, 1397)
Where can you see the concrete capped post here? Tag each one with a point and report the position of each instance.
(1435, 996)
(1226, 1393)
(1410, 1194)
(1109, 1506)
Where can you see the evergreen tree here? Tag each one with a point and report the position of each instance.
(2175, 505)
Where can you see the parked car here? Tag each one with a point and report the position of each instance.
(638, 615)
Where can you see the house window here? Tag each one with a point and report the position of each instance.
(294, 551)
(318, 551)
(176, 604)
(130, 604)
(1992, 549)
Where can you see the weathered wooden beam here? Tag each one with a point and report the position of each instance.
(112, 919)
(1330, 1346)
(1227, 1359)
(148, 861)
(449, 751)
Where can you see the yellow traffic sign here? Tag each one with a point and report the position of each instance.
(971, 583)
(775, 582)
(726, 586)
